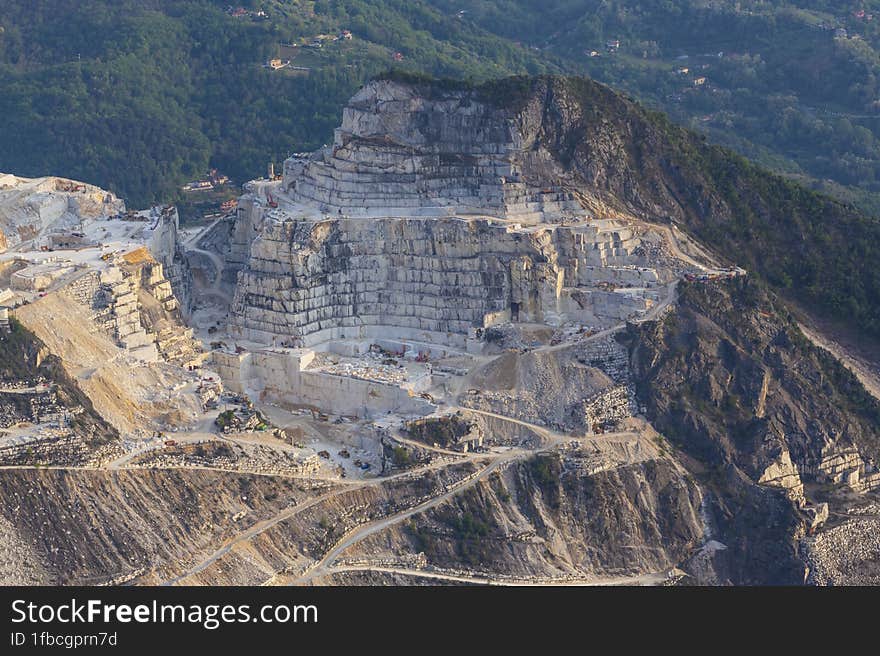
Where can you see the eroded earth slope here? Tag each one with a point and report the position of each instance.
(494, 335)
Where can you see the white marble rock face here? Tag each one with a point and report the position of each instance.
(399, 153)
(418, 218)
(329, 279)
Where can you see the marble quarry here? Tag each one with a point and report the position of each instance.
(429, 219)
(310, 281)
(399, 153)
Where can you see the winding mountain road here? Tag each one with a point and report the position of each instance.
(644, 579)
(250, 533)
(868, 377)
(364, 531)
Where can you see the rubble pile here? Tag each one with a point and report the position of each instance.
(46, 445)
(34, 406)
(608, 355)
(366, 370)
(220, 455)
(848, 554)
(605, 409)
(230, 421)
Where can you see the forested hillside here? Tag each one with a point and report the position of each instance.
(140, 96)
(792, 84)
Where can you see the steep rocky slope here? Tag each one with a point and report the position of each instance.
(34, 388)
(130, 395)
(757, 413)
(542, 387)
(617, 156)
(110, 527)
(562, 513)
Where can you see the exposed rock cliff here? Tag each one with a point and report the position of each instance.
(405, 150)
(578, 138)
(309, 281)
(758, 412)
(568, 513)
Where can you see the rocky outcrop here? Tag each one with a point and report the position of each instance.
(404, 152)
(732, 382)
(133, 302)
(167, 248)
(29, 207)
(308, 281)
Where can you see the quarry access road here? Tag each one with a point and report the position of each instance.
(652, 314)
(359, 533)
(263, 526)
(860, 370)
(215, 260)
(643, 579)
(158, 445)
(679, 253)
(364, 531)
(550, 439)
(249, 472)
(670, 298)
(35, 389)
(427, 447)
(196, 236)
(197, 437)
(553, 438)
(250, 533)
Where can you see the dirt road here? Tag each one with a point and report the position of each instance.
(365, 530)
(866, 375)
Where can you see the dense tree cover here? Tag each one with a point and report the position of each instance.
(792, 84)
(140, 96)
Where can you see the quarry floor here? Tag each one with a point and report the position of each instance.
(335, 434)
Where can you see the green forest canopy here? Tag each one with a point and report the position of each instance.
(139, 96)
(142, 95)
